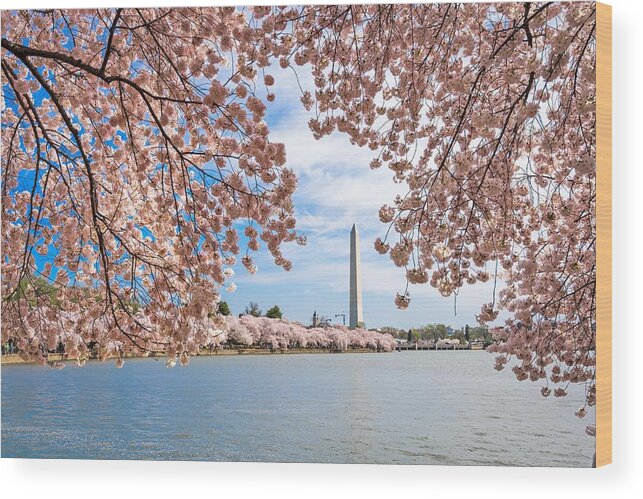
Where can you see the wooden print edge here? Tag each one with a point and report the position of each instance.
(603, 234)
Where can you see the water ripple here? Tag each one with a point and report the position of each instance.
(404, 408)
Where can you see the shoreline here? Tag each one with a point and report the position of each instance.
(15, 359)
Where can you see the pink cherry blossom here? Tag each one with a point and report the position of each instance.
(146, 163)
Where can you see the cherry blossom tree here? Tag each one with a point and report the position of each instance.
(264, 332)
(134, 152)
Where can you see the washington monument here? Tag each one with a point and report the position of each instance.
(356, 318)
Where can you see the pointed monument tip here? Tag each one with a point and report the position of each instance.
(354, 228)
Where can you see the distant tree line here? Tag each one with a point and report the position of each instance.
(435, 332)
(253, 309)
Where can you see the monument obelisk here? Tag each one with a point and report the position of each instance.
(356, 318)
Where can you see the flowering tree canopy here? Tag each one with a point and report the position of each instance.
(134, 151)
(264, 332)
(134, 148)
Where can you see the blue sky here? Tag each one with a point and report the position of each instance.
(336, 189)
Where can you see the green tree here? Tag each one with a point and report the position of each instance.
(434, 332)
(253, 309)
(274, 313)
(481, 333)
(224, 308)
(459, 335)
(396, 333)
(34, 288)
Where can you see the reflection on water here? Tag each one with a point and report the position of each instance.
(398, 408)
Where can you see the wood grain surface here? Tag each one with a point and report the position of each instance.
(604, 234)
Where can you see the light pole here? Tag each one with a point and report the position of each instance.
(343, 316)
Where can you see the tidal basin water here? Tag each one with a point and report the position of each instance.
(394, 408)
